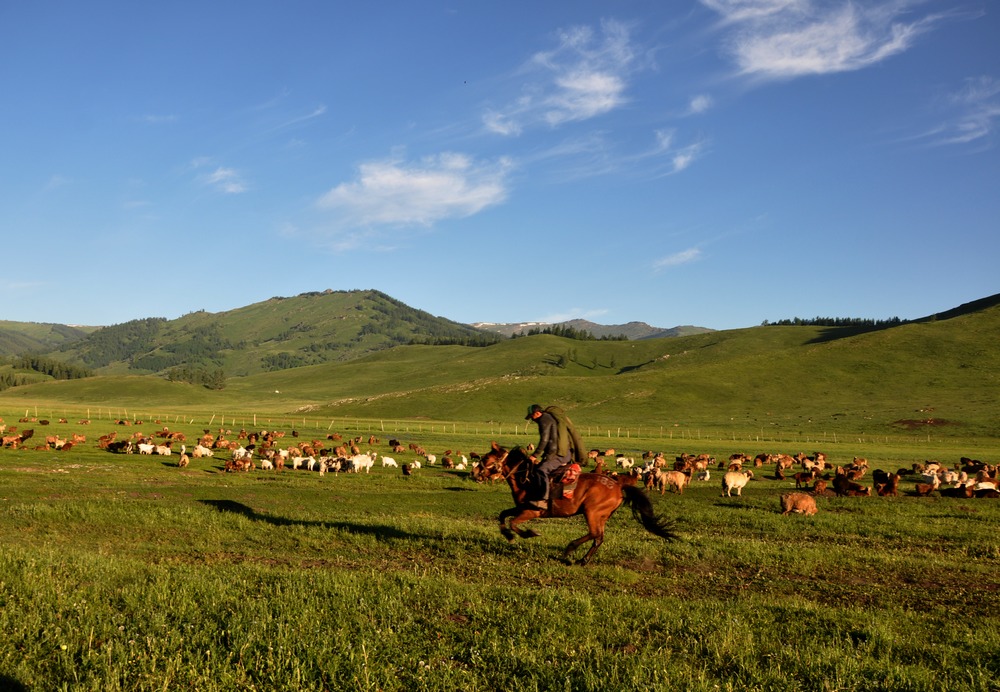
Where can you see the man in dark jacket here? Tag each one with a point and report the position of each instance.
(558, 444)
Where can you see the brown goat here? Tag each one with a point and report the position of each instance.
(845, 487)
(798, 503)
(804, 478)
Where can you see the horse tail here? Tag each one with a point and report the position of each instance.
(642, 510)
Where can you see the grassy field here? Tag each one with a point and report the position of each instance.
(125, 572)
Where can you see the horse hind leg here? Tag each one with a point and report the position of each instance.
(573, 546)
(595, 533)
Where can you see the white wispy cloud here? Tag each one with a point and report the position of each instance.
(677, 157)
(733, 11)
(677, 259)
(225, 179)
(583, 77)
(967, 116)
(779, 39)
(978, 109)
(420, 193)
(317, 112)
(699, 104)
(57, 181)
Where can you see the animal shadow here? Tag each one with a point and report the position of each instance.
(378, 531)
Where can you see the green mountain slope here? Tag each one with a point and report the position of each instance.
(938, 376)
(275, 334)
(17, 338)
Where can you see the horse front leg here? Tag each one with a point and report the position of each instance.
(505, 531)
(517, 516)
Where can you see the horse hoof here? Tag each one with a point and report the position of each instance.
(530, 533)
(508, 534)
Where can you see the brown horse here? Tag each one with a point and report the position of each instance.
(596, 497)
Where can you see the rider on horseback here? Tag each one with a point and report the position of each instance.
(558, 444)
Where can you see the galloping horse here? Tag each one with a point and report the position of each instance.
(596, 497)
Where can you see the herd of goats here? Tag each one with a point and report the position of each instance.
(813, 474)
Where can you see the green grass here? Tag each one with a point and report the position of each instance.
(126, 572)
(922, 380)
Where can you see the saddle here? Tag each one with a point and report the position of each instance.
(564, 479)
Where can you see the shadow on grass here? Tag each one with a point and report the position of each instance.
(9, 683)
(733, 505)
(380, 532)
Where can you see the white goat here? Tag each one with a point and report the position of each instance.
(431, 459)
(362, 461)
(389, 461)
(202, 451)
(145, 448)
(735, 480)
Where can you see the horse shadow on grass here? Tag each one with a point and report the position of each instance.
(380, 532)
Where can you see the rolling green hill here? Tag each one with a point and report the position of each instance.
(38, 337)
(935, 377)
(275, 334)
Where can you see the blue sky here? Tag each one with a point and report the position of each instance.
(709, 162)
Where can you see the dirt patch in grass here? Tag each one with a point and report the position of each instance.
(916, 424)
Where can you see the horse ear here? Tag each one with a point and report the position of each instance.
(494, 445)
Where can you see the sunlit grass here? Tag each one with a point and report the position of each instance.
(126, 572)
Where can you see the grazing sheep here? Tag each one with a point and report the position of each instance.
(201, 450)
(676, 480)
(735, 480)
(798, 503)
(624, 462)
(362, 461)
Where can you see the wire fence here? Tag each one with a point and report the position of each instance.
(615, 435)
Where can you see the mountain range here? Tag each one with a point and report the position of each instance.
(275, 334)
(363, 354)
(630, 330)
